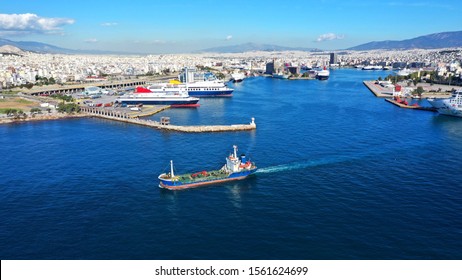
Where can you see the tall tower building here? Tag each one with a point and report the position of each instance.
(333, 58)
(269, 68)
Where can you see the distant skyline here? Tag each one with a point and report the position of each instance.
(185, 26)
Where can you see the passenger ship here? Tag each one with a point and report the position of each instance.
(203, 84)
(449, 106)
(159, 95)
(322, 74)
(236, 168)
(209, 89)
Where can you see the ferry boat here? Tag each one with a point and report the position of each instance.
(449, 106)
(280, 75)
(373, 67)
(202, 84)
(238, 77)
(323, 74)
(159, 95)
(209, 89)
(236, 168)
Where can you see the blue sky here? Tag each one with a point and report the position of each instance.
(182, 26)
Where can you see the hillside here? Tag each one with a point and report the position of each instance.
(431, 41)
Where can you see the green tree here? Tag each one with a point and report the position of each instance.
(419, 90)
(220, 75)
(15, 113)
(68, 108)
(63, 97)
(35, 111)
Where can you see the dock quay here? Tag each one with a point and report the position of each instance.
(148, 110)
(378, 90)
(126, 117)
(396, 103)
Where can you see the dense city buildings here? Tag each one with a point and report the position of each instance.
(33, 68)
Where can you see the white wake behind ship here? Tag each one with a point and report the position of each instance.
(451, 106)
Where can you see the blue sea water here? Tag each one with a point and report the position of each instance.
(343, 175)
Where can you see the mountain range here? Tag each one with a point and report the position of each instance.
(431, 41)
(47, 48)
(35, 46)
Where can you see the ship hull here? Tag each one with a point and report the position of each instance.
(449, 106)
(211, 93)
(173, 103)
(323, 75)
(177, 185)
(450, 112)
(436, 103)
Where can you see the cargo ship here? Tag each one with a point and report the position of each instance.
(236, 168)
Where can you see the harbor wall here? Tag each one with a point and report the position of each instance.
(124, 117)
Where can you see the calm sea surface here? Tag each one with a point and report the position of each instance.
(343, 175)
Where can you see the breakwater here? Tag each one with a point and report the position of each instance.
(165, 125)
(415, 106)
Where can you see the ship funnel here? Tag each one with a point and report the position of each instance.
(243, 159)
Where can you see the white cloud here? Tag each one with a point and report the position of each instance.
(31, 23)
(91, 40)
(109, 24)
(229, 37)
(329, 37)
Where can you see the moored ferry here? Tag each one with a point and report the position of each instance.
(449, 106)
(236, 168)
(209, 89)
(322, 74)
(160, 95)
(280, 75)
(203, 84)
(238, 77)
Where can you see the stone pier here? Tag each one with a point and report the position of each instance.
(125, 117)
